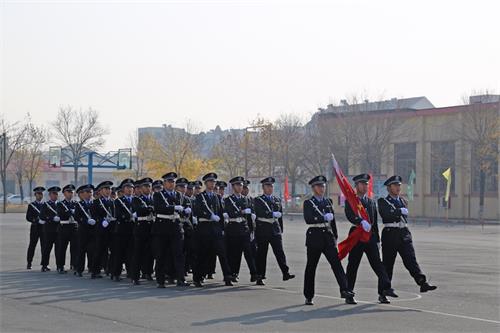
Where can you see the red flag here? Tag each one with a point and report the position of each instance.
(359, 234)
(370, 187)
(286, 192)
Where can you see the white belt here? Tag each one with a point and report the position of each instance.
(395, 225)
(319, 225)
(237, 219)
(265, 220)
(67, 222)
(201, 219)
(168, 217)
(144, 218)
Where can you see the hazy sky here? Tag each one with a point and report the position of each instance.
(145, 63)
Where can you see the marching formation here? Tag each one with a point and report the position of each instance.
(167, 229)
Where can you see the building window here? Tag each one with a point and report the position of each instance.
(442, 158)
(405, 159)
(490, 166)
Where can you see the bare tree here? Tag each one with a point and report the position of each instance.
(13, 139)
(480, 130)
(290, 147)
(178, 147)
(229, 154)
(27, 161)
(80, 132)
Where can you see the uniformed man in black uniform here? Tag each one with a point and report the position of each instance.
(103, 212)
(168, 232)
(251, 221)
(157, 185)
(269, 230)
(220, 188)
(86, 228)
(67, 233)
(197, 187)
(370, 248)
(48, 213)
(142, 205)
(321, 238)
(237, 230)
(396, 237)
(181, 186)
(36, 228)
(123, 232)
(209, 235)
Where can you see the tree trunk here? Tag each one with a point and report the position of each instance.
(30, 185)
(482, 188)
(4, 182)
(75, 174)
(21, 192)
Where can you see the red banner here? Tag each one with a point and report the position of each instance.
(286, 192)
(359, 234)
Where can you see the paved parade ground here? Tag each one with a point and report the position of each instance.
(463, 261)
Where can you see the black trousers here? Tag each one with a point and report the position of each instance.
(373, 256)
(67, 235)
(36, 233)
(209, 240)
(276, 242)
(328, 248)
(50, 241)
(188, 249)
(123, 247)
(167, 247)
(102, 257)
(86, 248)
(141, 257)
(236, 246)
(399, 240)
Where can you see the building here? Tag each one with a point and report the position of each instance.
(427, 141)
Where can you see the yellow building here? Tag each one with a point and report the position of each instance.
(410, 136)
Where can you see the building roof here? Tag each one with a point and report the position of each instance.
(412, 103)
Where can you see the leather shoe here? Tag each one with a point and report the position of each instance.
(309, 301)
(383, 300)
(425, 287)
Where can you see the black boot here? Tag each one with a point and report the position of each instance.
(45, 269)
(28, 266)
(183, 284)
(346, 294)
(309, 301)
(228, 283)
(253, 278)
(198, 284)
(425, 287)
(350, 300)
(260, 282)
(288, 276)
(389, 292)
(383, 300)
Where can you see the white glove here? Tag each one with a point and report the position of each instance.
(91, 221)
(277, 215)
(253, 217)
(178, 208)
(134, 215)
(328, 217)
(105, 223)
(195, 220)
(404, 211)
(366, 226)
(215, 218)
(72, 211)
(225, 216)
(56, 219)
(187, 211)
(41, 221)
(252, 236)
(247, 211)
